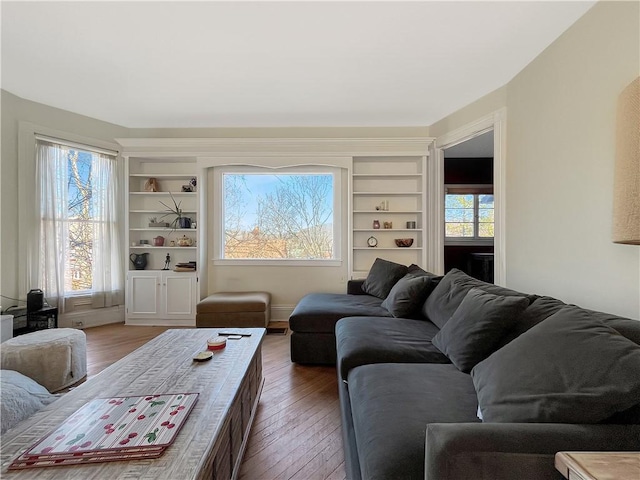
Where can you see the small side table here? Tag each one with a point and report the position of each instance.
(598, 465)
(46, 317)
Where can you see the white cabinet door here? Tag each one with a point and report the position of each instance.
(143, 294)
(179, 295)
(158, 297)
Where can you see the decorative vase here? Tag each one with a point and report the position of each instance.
(376, 224)
(184, 222)
(139, 260)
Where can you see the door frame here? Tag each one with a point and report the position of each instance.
(496, 121)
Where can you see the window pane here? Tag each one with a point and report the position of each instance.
(459, 201)
(287, 216)
(485, 230)
(79, 261)
(485, 201)
(459, 229)
(458, 215)
(485, 215)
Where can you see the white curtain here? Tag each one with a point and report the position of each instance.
(107, 259)
(52, 200)
(52, 174)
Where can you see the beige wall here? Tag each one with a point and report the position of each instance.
(561, 131)
(560, 157)
(287, 285)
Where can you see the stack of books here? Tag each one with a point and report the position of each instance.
(185, 267)
(112, 429)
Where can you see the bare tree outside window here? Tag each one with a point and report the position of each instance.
(78, 276)
(469, 216)
(278, 216)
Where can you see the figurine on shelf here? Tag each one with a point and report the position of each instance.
(167, 261)
(151, 185)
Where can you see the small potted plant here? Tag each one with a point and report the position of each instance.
(180, 221)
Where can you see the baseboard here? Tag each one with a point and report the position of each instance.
(160, 322)
(91, 317)
(281, 313)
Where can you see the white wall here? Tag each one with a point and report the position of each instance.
(560, 160)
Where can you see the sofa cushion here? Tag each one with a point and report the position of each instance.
(476, 327)
(382, 277)
(570, 368)
(391, 406)
(539, 309)
(408, 294)
(448, 295)
(319, 312)
(366, 340)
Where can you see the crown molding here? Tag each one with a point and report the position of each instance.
(162, 147)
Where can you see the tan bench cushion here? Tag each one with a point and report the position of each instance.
(229, 302)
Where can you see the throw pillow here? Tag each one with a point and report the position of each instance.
(476, 327)
(570, 368)
(382, 277)
(408, 294)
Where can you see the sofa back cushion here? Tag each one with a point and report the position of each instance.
(539, 309)
(572, 367)
(382, 277)
(448, 295)
(477, 326)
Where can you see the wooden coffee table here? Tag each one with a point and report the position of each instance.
(213, 439)
(598, 465)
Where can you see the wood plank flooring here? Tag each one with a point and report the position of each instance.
(296, 434)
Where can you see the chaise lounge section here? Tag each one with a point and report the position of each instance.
(476, 381)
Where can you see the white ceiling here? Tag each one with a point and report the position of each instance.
(480, 146)
(261, 64)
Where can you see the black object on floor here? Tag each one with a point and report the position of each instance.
(278, 330)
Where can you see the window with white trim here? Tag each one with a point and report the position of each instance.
(79, 233)
(288, 214)
(469, 213)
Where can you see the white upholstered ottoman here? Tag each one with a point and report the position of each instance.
(55, 358)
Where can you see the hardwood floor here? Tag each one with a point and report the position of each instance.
(296, 433)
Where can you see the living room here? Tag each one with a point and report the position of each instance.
(554, 118)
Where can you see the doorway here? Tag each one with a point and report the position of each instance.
(495, 122)
(469, 207)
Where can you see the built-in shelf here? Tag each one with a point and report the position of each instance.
(388, 194)
(388, 230)
(165, 194)
(147, 247)
(401, 194)
(164, 229)
(373, 249)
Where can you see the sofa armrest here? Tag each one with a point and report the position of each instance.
(354, 287)
(497, 451)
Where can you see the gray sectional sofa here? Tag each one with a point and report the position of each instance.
(452, 378)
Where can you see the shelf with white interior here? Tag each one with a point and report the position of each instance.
(163, 229)
(384, 212)
(387, 189)
(387, 248)
(165, 194)
(159, 211)
(385, 230)
(153, 247)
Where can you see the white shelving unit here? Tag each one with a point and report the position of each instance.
(156, 296)
(404, 191)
